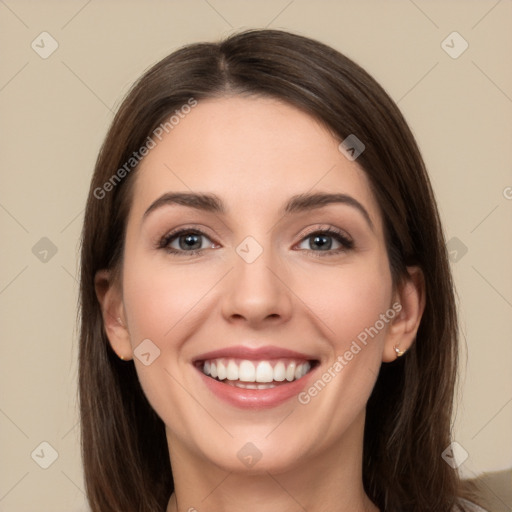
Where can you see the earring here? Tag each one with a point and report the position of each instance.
(399, 353)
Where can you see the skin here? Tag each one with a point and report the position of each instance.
(255, 153)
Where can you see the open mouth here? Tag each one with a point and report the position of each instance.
(251, 374)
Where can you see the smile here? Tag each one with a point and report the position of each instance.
(255, 378)
(247, 374)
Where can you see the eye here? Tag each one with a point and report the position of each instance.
(185, 241)
(330, 241)
(189, 241)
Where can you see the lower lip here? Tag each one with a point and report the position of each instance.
(256, 398)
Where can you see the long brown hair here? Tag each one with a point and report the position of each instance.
(409, 413)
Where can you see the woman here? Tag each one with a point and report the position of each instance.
(266, 301)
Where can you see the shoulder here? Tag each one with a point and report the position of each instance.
(469, 506)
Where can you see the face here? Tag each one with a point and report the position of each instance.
(255, 275)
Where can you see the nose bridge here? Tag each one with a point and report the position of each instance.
(255, 290)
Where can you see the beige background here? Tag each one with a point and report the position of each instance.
(55, 113)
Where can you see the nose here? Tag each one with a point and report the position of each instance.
(257, 293)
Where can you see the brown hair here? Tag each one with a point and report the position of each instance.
(409, 413)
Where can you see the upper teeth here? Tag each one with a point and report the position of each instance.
(249, 371)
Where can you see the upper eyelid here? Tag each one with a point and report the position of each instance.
(324, 229)
(173, 234)
(185, 229)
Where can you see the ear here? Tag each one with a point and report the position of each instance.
(112, 309)
(403, 328)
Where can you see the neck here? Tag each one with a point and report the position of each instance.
(329, 481)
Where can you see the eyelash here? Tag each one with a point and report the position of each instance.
(346, 243)
(339, 236)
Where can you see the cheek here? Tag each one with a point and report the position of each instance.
(354, 305)
(171, 304)
(343, 301)
(348, 299)
(165, 304)
(158, 296)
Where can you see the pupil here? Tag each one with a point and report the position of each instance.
(190, 242)
(324, 242)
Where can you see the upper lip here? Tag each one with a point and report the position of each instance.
(255, 354)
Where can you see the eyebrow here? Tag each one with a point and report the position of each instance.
(298, 203)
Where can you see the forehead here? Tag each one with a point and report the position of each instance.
(254, 153)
